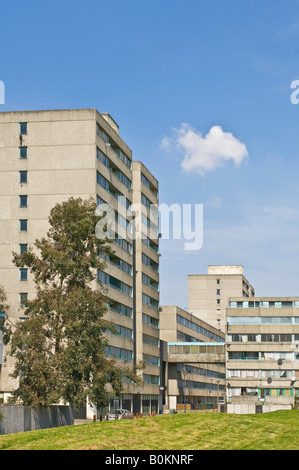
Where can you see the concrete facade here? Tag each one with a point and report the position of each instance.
(208, 294)
(46, 157)
(195, 364)
(262, 348)
(253, 405)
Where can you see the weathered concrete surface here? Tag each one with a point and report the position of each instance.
(197, 358)
(17, 419)
(247, 404)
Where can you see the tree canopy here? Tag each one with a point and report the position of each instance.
(59, 349)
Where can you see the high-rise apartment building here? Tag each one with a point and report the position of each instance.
(208, 294)
(46, 157)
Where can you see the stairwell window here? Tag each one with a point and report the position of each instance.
(23, 274)
(23, 177)
(23, 248)
(23, 297)
(23, 128)
(23, 200)
(23, 152)
(23, 225)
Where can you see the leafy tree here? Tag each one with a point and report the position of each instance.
(60, 349)
(3, 301)
(3, 310)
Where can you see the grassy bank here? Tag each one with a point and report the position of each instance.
(191, 431)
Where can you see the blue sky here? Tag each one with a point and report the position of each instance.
(154, 65)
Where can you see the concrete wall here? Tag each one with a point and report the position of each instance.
(247, 404)
(17, 419)
(249, 408)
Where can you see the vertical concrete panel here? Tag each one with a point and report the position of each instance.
(20, 418)
(27, 419)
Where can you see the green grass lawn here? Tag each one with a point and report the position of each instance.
(191, 431)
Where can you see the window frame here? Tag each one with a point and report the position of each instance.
(21, 130)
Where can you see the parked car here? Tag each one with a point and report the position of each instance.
(120, 413)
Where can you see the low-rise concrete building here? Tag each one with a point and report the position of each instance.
(195, 361)
(262, 350)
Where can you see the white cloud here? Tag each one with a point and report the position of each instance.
(203, 154)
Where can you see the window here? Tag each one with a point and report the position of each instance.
(23, 223)
(186, 338)
(120, 308)
(23, 128)
(114, 283)
(276, 320)
(102, 134)
(148, 184)
(111, 166)
(120, 264)
(23, 152)
(23, 176)
(260, 320)
(112, 146)
(151, 379)
(23, 247)
(150, 263)
(123, 179)
(245, 355)
(276, 338)
(123, 222)
(23, 274)
(150, 340)
(199, 329)
(146, 299)
(102, 181)
(218, 301)
(148, 242)
(145, 181)
(102, 158)
(111, 189)
(119, 353)
(122, 331)
(123, 244)
(251, 338)
(243, 338)
(23, 297)
(218, 291)
(148, 320)
(150, 223)
(145, 201)
(151, 360)
(23, 201)
(218, 281)
(2, 324)
(148, 281)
